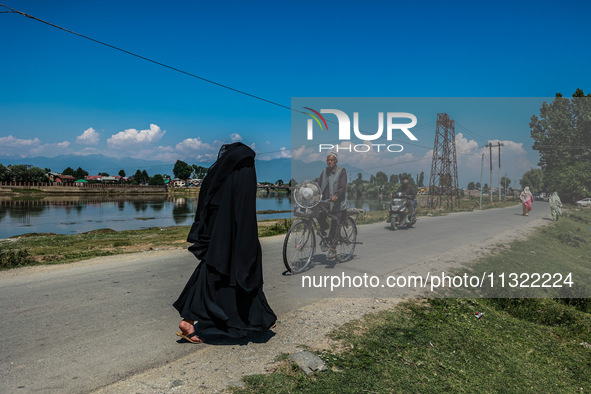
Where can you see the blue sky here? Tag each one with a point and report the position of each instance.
(62, 94)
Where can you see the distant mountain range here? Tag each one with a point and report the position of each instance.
(267, 170)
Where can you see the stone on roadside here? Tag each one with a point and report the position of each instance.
(308, 362)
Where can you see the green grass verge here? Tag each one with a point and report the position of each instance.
(438, 345)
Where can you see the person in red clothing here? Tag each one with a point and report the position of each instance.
(526, 199)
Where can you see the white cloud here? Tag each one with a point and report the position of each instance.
(89, 137)
(129, 138)
(50, 150)
(14, 146)
(465, 146)
(235, 137)
(193, 146)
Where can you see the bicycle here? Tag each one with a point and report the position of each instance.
(299, 245)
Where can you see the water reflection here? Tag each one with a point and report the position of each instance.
(184, 210)
(77, 214)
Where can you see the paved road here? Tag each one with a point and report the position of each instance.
(75, 328)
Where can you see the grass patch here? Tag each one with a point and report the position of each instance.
(268, 228)
(50, 248)
(57, 248)
(438, 345)
(560, 250)
(11, 258)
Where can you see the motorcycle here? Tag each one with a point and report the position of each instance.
(398, 211)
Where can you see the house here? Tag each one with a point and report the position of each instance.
(97, 178)
(59, 178)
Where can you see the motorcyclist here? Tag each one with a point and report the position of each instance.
(408, 190)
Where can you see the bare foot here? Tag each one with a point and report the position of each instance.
(187, 328)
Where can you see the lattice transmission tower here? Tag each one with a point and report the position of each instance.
(443, 184)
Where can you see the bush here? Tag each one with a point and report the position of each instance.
(10, 258)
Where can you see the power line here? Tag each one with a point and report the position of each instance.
(12, 10)
(471, 133)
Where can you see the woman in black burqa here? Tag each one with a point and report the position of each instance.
(225, 293)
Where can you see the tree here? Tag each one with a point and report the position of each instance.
(562, 136)
(80, 173)
(534, 179)
(145, 177)
(394, 179)
(36, 174)
(156, 180)
(18, 173)
(477, 185)
(22, 173)
(505, 182)
(4, 173)
(421, 180)
(121, 173)
(471, 186)
(199, 172)
(103, 174)
(182, 170)
(137, 177)
(68, 171)
(279, 182)
(381, 178)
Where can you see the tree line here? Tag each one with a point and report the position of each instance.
(381, 185)
(562, 136)
(27, 173)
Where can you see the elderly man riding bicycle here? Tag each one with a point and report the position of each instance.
(333, 184)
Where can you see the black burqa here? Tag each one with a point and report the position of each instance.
(225, 293)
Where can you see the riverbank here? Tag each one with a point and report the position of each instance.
(38, 189)
(48, 248)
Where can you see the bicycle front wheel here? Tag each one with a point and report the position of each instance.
(347, 240)
(299, 246)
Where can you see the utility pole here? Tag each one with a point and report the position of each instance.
(481, 166)
(499, 145)
(505, 199)
(490, 184)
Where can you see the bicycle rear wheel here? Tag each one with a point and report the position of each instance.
(347, 240)
(299, 246)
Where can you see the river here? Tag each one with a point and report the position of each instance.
(74, 215)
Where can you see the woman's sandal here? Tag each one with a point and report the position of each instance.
(189, 337)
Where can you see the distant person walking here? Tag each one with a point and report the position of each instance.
(526, 199)
(555, 205)
(225, 293)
